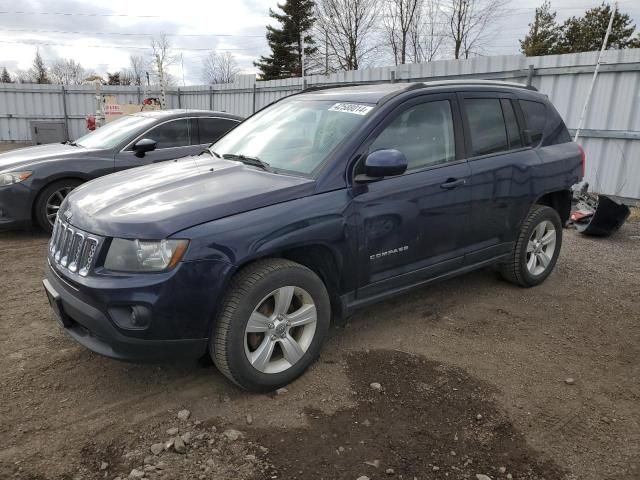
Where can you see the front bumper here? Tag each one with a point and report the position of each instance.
(179, 333)
(15, 206)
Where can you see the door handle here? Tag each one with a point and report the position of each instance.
(452, 183)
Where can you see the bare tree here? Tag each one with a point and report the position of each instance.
(219, 67)
(399, 20)
(349, 25)
(426, 35)
(471, 23)
(138, 67)
(39, 72)
(66, 71)
(162, 58)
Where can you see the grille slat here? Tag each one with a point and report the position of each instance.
(72, 249)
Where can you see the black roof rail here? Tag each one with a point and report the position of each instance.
(326, 86)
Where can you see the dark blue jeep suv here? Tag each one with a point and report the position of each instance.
(319, 204)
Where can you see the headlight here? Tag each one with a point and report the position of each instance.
(144, 255)
(10, 178)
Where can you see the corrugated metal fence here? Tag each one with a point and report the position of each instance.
(611, 134)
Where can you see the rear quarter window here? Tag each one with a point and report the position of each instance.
(535, 116)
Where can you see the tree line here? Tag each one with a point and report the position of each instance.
(152, 69)
(333, 35)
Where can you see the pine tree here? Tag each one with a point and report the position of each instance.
(285, 42)
(586, 33)
(38, 71)
(544, 33)
(5, 77)
(113, 78)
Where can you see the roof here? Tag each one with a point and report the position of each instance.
(376, 92)
(180, 112)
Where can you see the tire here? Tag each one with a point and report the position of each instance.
(536, 250)
(240, 349)
(51, 196)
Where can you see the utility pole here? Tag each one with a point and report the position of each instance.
(182, 62)
(302, 55)
(595, 73)
(326, 52)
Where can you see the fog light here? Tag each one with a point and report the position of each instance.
(131, 317)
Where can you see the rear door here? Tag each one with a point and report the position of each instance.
(412, 226)
(211, 129)
(174, 140)
(501, 172)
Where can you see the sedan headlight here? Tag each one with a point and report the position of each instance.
(144, 255)
(9, 178)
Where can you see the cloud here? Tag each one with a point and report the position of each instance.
(104, 40)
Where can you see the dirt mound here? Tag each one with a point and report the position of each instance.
(414, 418)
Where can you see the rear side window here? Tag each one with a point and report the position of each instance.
(211, 129)
(513, 132)
(424, 133)
(175, 133)
(535, 116)
(486, 125)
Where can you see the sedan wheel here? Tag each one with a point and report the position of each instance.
(49, 201)
(54, 202)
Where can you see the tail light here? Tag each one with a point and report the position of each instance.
(583, 156)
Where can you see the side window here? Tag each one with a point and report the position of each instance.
(424, 133)
(535, 115)
(211, 129)
(513, 132)
(487, 126)
(171, 134)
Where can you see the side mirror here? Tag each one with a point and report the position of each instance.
(383, 163)
(143, 146)
(528, 141)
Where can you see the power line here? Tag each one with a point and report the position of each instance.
(80, 14)
(133, 47)
(78, 32)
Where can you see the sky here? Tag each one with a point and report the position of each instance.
(102, 35)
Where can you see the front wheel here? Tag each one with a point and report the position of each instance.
(49, 201)
(274, 319)
(535, 252)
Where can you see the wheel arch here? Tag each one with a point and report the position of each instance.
(48, 183)
(319, 258)
(559, 200)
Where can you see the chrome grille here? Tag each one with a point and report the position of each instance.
(71, 248)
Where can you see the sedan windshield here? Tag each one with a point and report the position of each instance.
(114, 133)
(293, 135)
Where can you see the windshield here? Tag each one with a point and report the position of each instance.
(116, 132)
(294, 135)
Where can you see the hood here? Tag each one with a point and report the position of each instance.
(158, 200)
(26, 158)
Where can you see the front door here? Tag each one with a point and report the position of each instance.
(174, 139)
(413, 226)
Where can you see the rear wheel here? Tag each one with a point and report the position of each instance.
(49, 201)
(273, 322)
(536, 250)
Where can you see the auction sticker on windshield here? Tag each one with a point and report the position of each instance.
(355, 108)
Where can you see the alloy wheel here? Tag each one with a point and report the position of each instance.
(540, 247)
(54, 202)
(280, 329)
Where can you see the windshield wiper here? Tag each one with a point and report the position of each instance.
(73, 144)
(253, 161)
(210, 152)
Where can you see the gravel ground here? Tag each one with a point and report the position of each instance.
(470, 378)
